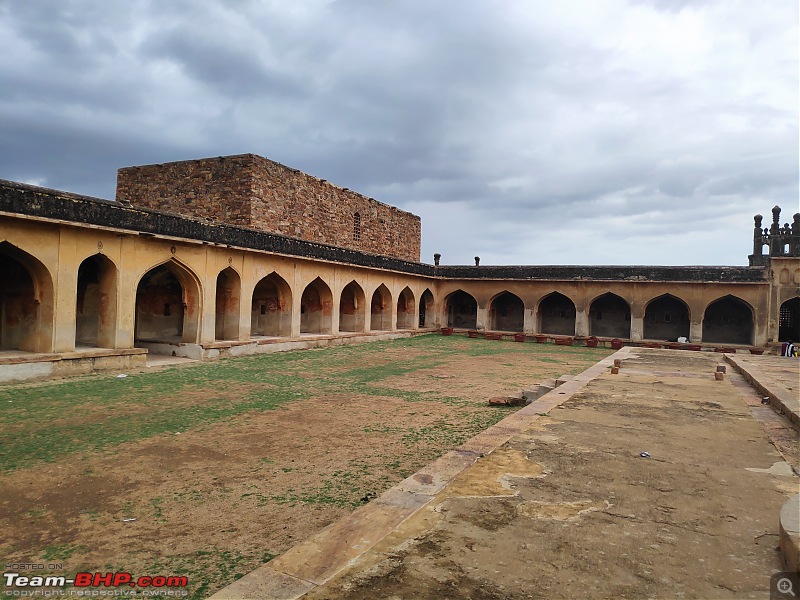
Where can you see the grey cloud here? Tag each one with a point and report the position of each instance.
(501, 127)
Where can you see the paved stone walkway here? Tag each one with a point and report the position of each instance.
(656, 482)
(781, 369)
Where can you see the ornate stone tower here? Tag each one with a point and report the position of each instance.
(780, 241)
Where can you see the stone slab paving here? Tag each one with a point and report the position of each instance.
(559, 501)
(776, 378)
(779, 369)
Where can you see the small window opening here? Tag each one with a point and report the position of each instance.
(166, 310)
(263, 309)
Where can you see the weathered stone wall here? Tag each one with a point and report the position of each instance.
(69, 244)
(252, 191)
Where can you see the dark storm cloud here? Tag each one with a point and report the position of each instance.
(654, 128)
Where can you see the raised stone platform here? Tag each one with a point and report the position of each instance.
(266, 345)
(18, 366)
(776, 378)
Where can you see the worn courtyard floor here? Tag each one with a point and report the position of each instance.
(209, 470)
(567, 506)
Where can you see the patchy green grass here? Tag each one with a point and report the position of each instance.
(82, 422)
(96, 413)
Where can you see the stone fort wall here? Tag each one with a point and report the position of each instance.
(252, 191)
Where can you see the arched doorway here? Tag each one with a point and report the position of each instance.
(381, 309)
(167, 305)
(316, 308)
(352, 308)
(426, 309)
(557, 315)
(728, 320)
(789, 321)
(26, 302)
(405, 309)
(96, 305)
(229, 289)
(462, 310)
(271, 308)
(506, 313)
(666, 318)
(610, 316)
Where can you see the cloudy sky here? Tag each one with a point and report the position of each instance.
(521, 131)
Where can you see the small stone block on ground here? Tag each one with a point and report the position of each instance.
(506, 401)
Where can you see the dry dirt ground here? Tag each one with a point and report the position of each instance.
(209, 470)
(569, 508)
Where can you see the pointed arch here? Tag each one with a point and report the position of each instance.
(381, 309)
(27, 303)
(271, 307)
(405, 309)
(461, 309)
(666, 317)
(728, 320)
(506, 312)
(610, 316)
(556, 314)
(352, 308)
(426, 316)
(168, 304)
(96, 302)
(227, 303)
(789, 321)
(316, 306)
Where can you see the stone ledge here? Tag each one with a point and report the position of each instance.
(36, 357)
(15, 369)
(780, 399)
(789, 534)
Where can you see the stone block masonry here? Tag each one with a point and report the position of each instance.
(251, 191)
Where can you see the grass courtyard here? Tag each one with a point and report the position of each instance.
(208, 470)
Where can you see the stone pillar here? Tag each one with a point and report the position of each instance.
(126, 292)
(245, 311)
(297, 297)
(637, 320)
(528, 321)
(393, 310)
(581, 321)
(367, 310)
(696, 331)
(65, 295)
(637, 327)
(480, 323)
(208, 316)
